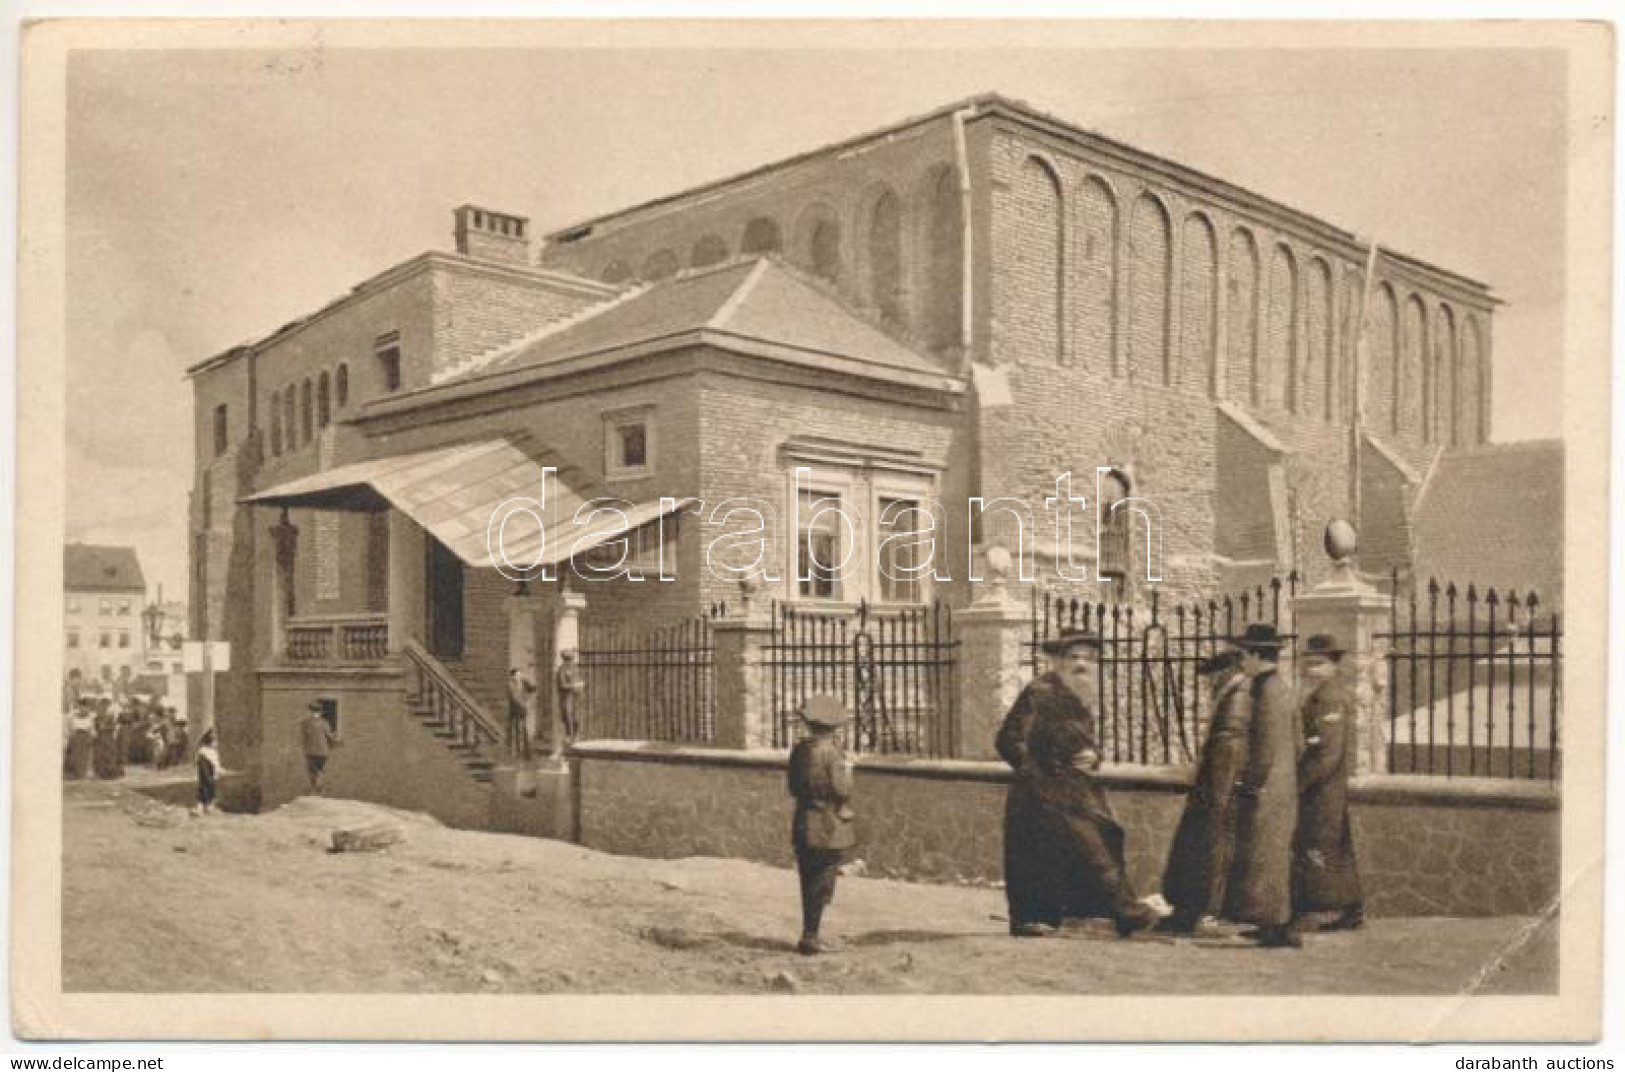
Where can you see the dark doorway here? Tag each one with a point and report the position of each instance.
(443, 584)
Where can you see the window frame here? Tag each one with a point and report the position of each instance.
(860, 488)
(614, 422)
(386, 350)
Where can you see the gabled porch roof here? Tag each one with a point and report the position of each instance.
(455, 492)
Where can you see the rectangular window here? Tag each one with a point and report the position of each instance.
(73, 606)
(818, 546)
(898, 558)
(106, 607)
(107, 640)
(73, 638)
(629, 447)
(220, 430)
(388, 351)
(124, 606)
(123, 639)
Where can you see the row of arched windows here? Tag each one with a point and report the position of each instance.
(1076, 257)
(300, 410)
(903, 260)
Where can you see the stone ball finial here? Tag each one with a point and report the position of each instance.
(1341, 541)
(998, 564)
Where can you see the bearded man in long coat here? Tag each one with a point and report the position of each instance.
(1200, 860)
(1063, 848)
(1260, 890)
(1326, 877)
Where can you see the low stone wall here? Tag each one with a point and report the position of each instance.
(1428, 846)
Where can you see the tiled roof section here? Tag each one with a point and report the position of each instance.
(1493, 516)
(759, 299)
(88, 565)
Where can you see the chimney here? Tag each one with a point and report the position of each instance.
(492, 236)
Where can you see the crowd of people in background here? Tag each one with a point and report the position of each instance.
(106, 729)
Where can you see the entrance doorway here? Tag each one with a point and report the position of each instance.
(443, 586)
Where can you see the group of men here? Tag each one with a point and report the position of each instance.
(1265, 837)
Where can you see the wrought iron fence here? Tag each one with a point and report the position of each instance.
(648, 683)
(1474, 682)
(1152, 707)
(893, 668)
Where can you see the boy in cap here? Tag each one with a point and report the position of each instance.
(822, 832)
(317, 738)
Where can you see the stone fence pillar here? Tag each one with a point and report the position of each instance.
(743, 693)
(1354, 613)
(993, 633)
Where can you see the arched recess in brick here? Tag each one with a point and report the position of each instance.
(708, 250)
(659, 265)
(1447, 378)
(1411, 384)
(290, 419)
(616, 272)
(761, 236)
(1382, 349)
(1241, 313)
(942, 270)
(1473, 395)
(816, 241)
(1096, 278)
(307, 411)
(276, 422)
(1150, 253)
(1353, 330)
(324, 400)
(884, 249)
(1279, 356)
(1320, 343)
(1037, 280)
(1198, 302)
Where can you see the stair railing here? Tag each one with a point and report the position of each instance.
(453, 705)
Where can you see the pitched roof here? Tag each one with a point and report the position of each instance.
(756, 300)
(96, 566)
(1493, 516)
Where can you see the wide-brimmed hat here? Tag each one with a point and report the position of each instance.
(1067, 639)
(1260, 636)
(1322, 644)
(314, 705)
(1219, 662)
(823, 711)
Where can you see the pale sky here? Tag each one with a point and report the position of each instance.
(213, 196)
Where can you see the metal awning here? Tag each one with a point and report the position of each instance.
(454, 492)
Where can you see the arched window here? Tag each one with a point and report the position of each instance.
(660, 264)
(761, 236)
(341, 385)
(817, 245)
(1116, 553)
(1447, 379)
(1242, 313)
(886, 257)
(306, 412)
(1320, 371)
(1384, 333)
(1200, 302)
(1280, 358)
(1149, 253)
(1096, 258)
(1040, 301)
(290, 418)
(707, 251)
(276, 422)
(324, 401)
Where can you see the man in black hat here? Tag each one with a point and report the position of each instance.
(1063, 848)
(1197, 876)
(1267, 812)
(1326, 877)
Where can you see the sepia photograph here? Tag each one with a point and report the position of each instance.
(677, 521)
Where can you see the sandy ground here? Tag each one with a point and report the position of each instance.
(156, 900)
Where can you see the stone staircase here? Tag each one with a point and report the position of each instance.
(453, 715)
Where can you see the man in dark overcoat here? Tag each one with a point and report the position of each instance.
(1063, 848)
(1326, 877)
(1203, 852)
(1260, 890)
(822, 832)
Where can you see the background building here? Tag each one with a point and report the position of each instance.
(104, 595)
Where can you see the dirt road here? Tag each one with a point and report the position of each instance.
(154, 900)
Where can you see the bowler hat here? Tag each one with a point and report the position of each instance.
(1260, 636)
(1322, 644)
(1067, 639)
(823, 711)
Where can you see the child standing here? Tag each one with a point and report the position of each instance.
(822, 833)
(208, 772)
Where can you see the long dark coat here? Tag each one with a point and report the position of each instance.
(1260, 888)
(1204, 847)
(1326, 876)
(822, 787)
(1063, 849)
